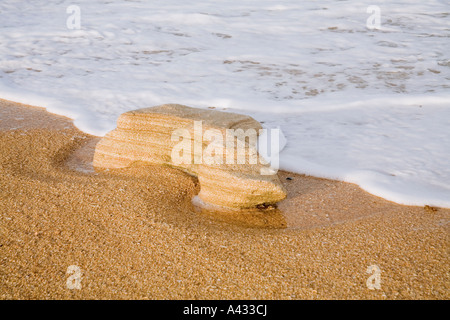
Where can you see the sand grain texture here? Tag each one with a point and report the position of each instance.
(135, 234)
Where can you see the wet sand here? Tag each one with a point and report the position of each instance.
(135, 234)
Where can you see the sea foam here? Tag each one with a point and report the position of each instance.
(365, 106)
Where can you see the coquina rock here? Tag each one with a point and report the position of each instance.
(217, 147)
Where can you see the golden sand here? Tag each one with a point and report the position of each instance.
(135, 234)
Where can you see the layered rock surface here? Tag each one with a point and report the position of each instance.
(177, 136)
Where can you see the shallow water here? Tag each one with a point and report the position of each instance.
(365, 106)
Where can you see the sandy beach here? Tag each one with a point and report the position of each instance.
(135, 234)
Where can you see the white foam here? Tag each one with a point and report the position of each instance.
(359, 105)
